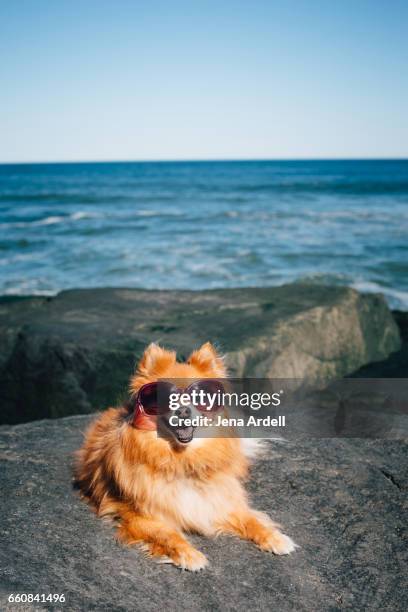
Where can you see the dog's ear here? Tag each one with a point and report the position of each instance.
(208, 361)
(155, 359)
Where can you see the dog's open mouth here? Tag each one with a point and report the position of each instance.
(182, 430)
(183, 434)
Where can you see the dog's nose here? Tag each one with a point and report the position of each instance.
(184, 412)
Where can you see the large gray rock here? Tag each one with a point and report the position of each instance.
(343, 501)
(396, 365)
(74, 353)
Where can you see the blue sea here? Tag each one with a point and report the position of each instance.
(203, 225)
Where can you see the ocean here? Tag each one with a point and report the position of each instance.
(197, 225)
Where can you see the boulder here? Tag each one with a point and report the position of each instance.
(74, 353)
(396, 365)
(343, 501)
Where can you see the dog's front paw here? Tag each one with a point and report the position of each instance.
(190, 559)
(278, 543)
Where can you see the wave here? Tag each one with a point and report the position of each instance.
(81, 215)
(76, 216)
(50, 220)
(22, 290)
(395, 297)
(156, 213)
(18, 257)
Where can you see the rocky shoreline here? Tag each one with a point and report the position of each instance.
(73, 353)
(342, 500)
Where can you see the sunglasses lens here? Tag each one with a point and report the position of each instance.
(210, 395)
(154, 398)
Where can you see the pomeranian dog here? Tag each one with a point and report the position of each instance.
(160, 481)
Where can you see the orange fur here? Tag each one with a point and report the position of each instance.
(158, 491)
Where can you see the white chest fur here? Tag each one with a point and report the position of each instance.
(195, 505)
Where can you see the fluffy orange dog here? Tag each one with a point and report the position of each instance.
(159, 487)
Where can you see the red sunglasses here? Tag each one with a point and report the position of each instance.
(154, 399)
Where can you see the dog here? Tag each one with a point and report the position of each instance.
(160, 482)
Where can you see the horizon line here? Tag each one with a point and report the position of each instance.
(199, 160)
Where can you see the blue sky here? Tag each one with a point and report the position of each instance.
(84, 80)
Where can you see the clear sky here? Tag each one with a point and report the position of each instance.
(96, 80)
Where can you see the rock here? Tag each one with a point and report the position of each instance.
(343, 501)
(74, 353)
(396, 366)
